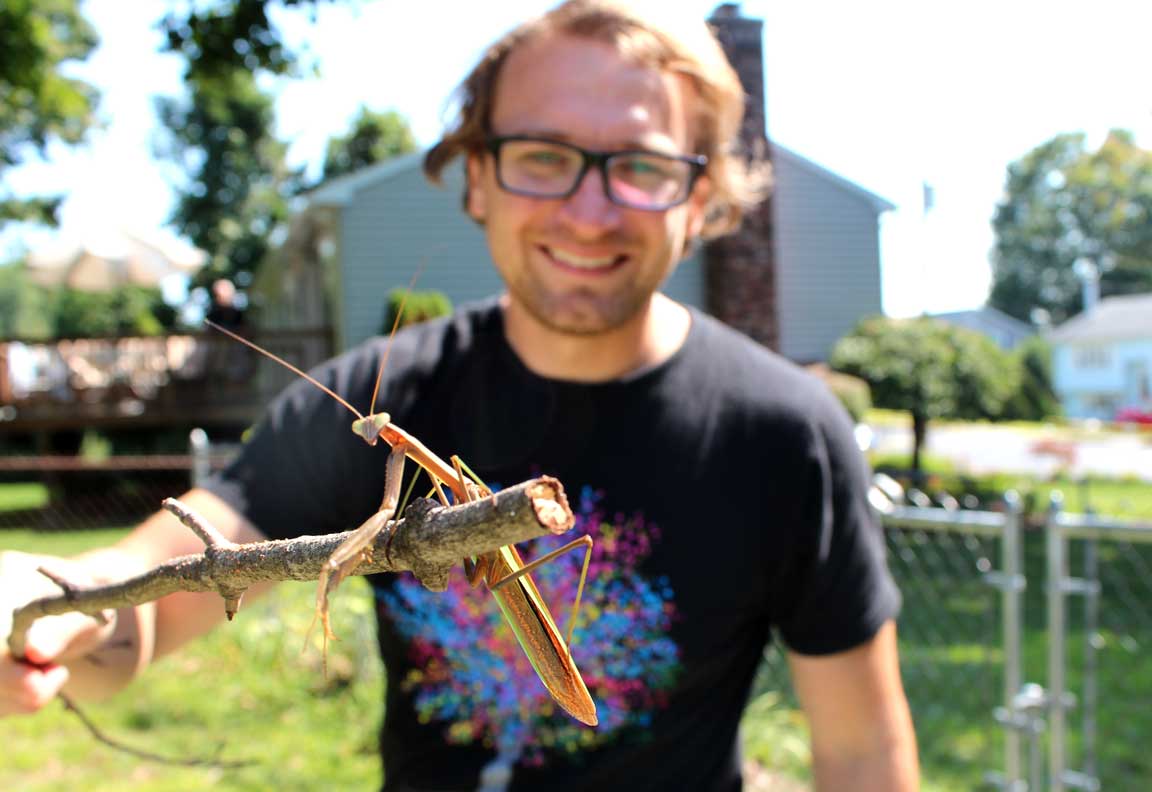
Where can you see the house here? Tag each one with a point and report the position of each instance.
(1102, 358)
(1007, 332)
(802, 271)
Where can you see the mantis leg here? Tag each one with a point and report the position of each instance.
(351, 552)
(586, 542)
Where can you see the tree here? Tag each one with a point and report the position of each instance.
(1035, 399)
(929, 368)
(1063, 204)
(40, 104)
(24, 309)
(374, 137)
(239, 185)
(129, 310)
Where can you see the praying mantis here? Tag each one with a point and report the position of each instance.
(503, 571)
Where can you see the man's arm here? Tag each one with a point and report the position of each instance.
(56, 644)
(862, 736)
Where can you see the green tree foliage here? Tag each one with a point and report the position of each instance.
(1035, 399)
(1063, 203)
(238, 183)
(374, 137)
(24, 309)
(38, 103)
(130, 310)
(929, 368)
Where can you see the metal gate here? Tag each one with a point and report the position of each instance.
(1072, 609)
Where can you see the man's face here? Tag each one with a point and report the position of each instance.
(582, 264)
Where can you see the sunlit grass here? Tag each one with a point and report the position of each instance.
(245, 692)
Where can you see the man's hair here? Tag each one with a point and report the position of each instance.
(737, 181)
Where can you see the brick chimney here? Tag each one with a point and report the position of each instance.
(740, 269)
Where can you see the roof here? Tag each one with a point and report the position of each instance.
(819, 171)
(987, 317)
(1113, 319)
(341, 190)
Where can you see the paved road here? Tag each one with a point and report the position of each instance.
(987, 448)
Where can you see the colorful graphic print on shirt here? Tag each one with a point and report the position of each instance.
(469, 673)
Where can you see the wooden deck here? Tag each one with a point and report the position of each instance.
(189, 380)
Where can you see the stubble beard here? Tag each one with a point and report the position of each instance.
(580, 312)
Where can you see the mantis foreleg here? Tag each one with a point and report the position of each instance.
(348, 555)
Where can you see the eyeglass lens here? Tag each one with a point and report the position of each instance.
(551, 170)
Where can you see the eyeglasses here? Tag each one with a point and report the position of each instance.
(541, 168)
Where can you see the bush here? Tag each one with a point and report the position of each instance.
(419, 306)
(853, 392)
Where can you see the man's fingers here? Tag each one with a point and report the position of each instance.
(56, 639)
(26, 688)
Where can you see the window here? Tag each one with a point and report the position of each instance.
(1093, 356)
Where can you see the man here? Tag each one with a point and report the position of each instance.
(722, 485)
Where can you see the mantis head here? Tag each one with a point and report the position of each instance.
(369, 427)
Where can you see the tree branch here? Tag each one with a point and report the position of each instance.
(428, 541)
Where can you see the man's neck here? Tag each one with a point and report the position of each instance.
(650, 338)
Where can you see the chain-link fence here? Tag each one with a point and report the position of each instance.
(69, 493)
(1099, 587)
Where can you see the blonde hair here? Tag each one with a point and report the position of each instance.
(739, 180)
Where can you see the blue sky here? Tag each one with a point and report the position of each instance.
(889, 94)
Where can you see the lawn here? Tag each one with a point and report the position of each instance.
(246, 692)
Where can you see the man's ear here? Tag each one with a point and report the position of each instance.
(476, 200)
(698, 207)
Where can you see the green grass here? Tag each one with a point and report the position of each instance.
(245, 692)
(24, 495)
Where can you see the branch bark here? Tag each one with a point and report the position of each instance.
(428, 541)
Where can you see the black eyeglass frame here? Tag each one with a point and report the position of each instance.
(599, 160)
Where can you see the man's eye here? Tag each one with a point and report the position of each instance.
(643, 168)
(545, 158)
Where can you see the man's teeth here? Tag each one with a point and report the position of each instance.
(582, 262)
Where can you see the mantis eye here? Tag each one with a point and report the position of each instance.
(368, 429)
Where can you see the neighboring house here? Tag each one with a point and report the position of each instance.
(1102, 358)
(1006, 331)
(366, 233)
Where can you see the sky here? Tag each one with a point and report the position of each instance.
(890, 94)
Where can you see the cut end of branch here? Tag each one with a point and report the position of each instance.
(232, 605)
(68, 589)
(551, 505)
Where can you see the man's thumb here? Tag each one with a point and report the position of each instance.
(58, 638)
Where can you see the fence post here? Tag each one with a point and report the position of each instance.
(1012, 626)
(1057, 551)
(201, 456)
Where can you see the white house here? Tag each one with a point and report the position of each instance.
(367, 233)
(1102, 358)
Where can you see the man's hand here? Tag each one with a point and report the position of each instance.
(30, 682)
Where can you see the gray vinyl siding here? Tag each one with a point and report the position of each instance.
(686, 283)
(828, 256)
(395, 225)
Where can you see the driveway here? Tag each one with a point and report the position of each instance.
(986, 448)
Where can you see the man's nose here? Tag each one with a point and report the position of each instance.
(589, 208)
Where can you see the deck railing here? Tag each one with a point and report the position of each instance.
(184, 379)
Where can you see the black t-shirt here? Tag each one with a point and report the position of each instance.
(726, 498)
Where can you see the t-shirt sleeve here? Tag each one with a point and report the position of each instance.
(838, 591)
(301, 453)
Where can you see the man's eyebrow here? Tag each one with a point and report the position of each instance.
(632, 144)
